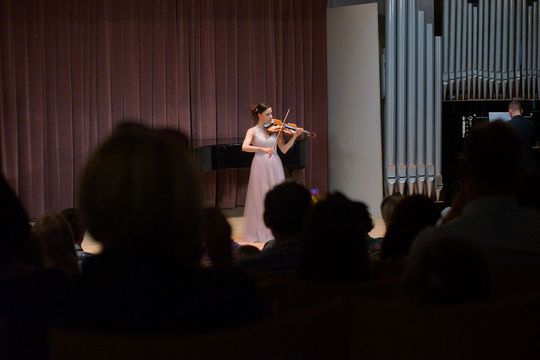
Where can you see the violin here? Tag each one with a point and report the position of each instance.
(275, 126)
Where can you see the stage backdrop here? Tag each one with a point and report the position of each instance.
(70, 70)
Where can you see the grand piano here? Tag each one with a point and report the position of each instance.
(219, 154)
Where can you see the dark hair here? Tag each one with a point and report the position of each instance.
(490, 148)
(515, 105)
(216, 237)
(335, 241)
(139, 190)
(247, 252)
(412, 214)
(291, 199)
(73, 217)
(258, 109)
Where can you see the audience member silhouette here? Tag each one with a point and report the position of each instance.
(388, 205)
(489, 216)
(245, 252)
(216, 238)
(30, 298)
(448, 270)
(413, 214)
(334, 243)
(140, 199)
(19, 251)
(528, 189)
(285, 210)
(73, 217)
(56, 239)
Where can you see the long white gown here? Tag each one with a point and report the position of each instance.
(266, 172)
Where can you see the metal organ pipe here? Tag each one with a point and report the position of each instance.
(522, 47)
(438, 118)
(401, 95)
(452, 46)
(492, 18)
(421, 103)
(480, 74)
(446, 34)
(430, 170)
(467, 88)
(511, 46)
(459, 45)
(498, 43)
(390, 99)
(534, 60)
(517, 61)
(485, 65)
(529, 49)
(474, 32)
(413, 99)
(538, 51)
(491, 50)
(504, 60)
(411, 96)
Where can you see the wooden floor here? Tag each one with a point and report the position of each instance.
(236, 219)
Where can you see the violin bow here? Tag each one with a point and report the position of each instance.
(280, 130)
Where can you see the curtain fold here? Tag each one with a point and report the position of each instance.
(71, 70)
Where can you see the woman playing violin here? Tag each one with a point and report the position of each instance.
(266, 170)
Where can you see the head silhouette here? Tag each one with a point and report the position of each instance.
(335, 240)
(492, 158)
(139, 191)
(285, 208)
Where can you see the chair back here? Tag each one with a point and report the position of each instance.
(315, 333)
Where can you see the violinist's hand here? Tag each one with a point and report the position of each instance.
(269, 151)
(298, 132)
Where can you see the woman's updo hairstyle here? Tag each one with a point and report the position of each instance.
(258, 109)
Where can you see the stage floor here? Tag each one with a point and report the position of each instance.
(236, 220)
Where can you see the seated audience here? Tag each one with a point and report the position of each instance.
(140, 199)
(244, 252)
(335, 241)
(413, 214)
(73, 217)
(30, 297)
(528, 190)
(388, 206)
(448, 270)
(285, 209)
(216, 239)
(56, 239)
(20, 253)
(488, 215)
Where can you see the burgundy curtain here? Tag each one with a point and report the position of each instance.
(70, 70)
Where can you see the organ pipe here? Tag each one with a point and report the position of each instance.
(491, 49)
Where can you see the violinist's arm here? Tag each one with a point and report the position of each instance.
(285, 146)
(247, 147)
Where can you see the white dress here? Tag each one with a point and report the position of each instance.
(266, 172)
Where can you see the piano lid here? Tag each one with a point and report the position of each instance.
(219, 154)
